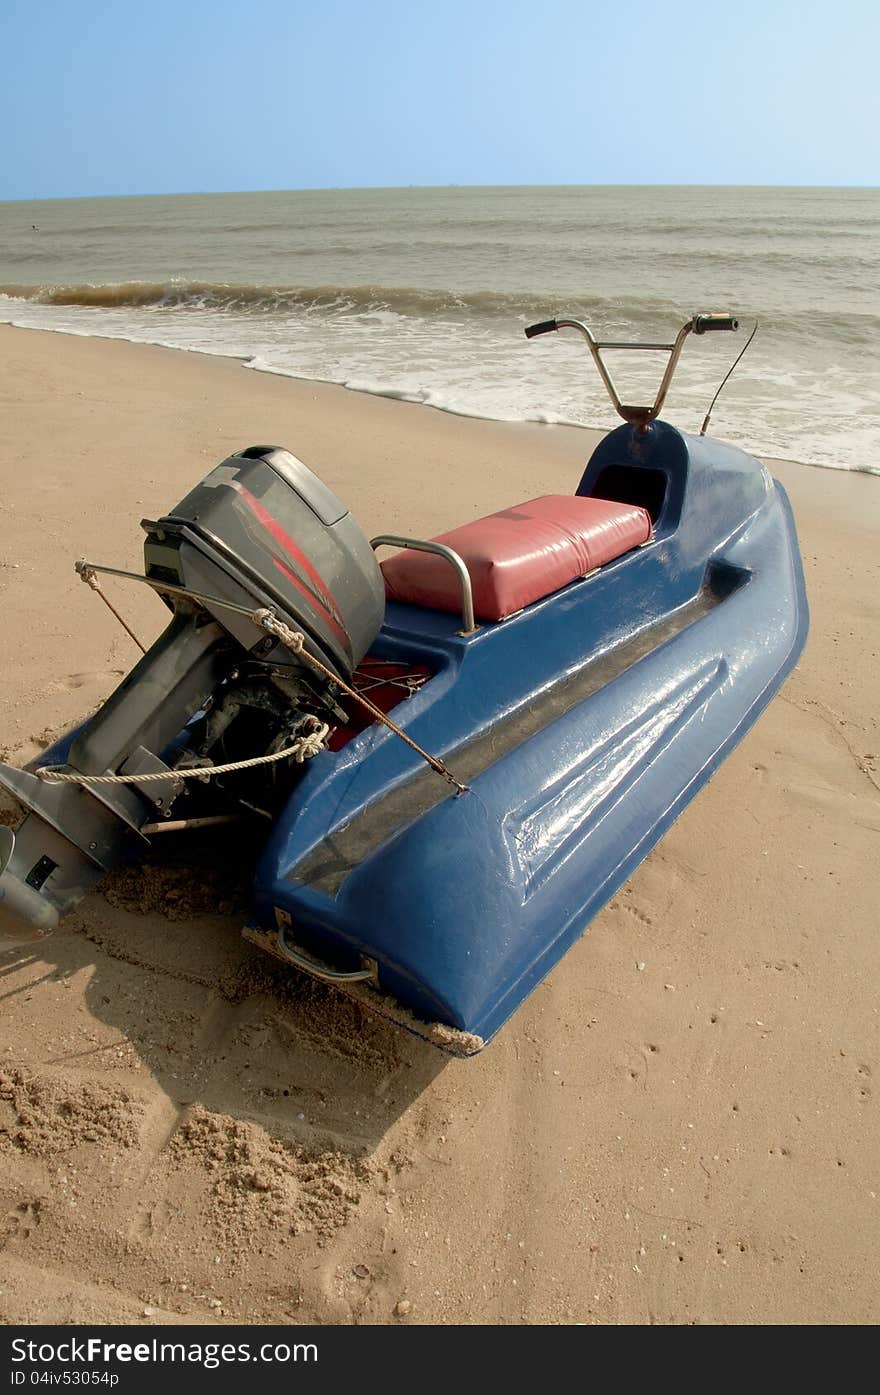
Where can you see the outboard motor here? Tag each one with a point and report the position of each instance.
(260, 531)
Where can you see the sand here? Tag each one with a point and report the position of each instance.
(679, 1126)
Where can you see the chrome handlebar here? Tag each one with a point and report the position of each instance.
(638, 416)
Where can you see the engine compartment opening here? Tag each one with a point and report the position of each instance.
(629, 484)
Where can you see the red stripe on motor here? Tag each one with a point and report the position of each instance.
(304, 590)
(328, 605)
(274, 527)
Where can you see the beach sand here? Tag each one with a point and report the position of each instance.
(680, 1125)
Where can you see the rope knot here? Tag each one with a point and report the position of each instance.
(267, 620)
(88, 574)
(312, 744)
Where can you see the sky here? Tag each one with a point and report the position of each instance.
(177, 96)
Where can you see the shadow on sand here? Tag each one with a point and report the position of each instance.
(215, 1022)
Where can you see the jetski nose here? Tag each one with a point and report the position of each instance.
(21, 906)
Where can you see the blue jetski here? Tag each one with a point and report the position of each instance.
(458, 776)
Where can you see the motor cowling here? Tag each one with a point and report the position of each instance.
(263, 530)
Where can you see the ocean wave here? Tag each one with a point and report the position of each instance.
(618, 314)
(404, 300)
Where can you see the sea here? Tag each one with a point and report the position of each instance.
(423, 294)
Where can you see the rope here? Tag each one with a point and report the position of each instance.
(89, 577)
(302, 749)
(295, 642)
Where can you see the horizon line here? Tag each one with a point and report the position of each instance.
(387, 188)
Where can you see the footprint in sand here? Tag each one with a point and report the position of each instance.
(840, 805)
(74, 681)
(637, 914)
(18, 1223)
(863, 1074)
(730, 1251)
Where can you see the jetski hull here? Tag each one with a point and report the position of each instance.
(582, 727)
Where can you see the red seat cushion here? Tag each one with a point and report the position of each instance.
(519, 555)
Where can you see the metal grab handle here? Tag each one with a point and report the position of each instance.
(317, 967)
(452, 557)
(275, 942)
(639, 416)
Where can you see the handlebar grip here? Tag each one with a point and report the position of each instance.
(702, 323)
(543, 328)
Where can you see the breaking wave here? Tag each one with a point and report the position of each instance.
(413, 302)
(402, 300)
